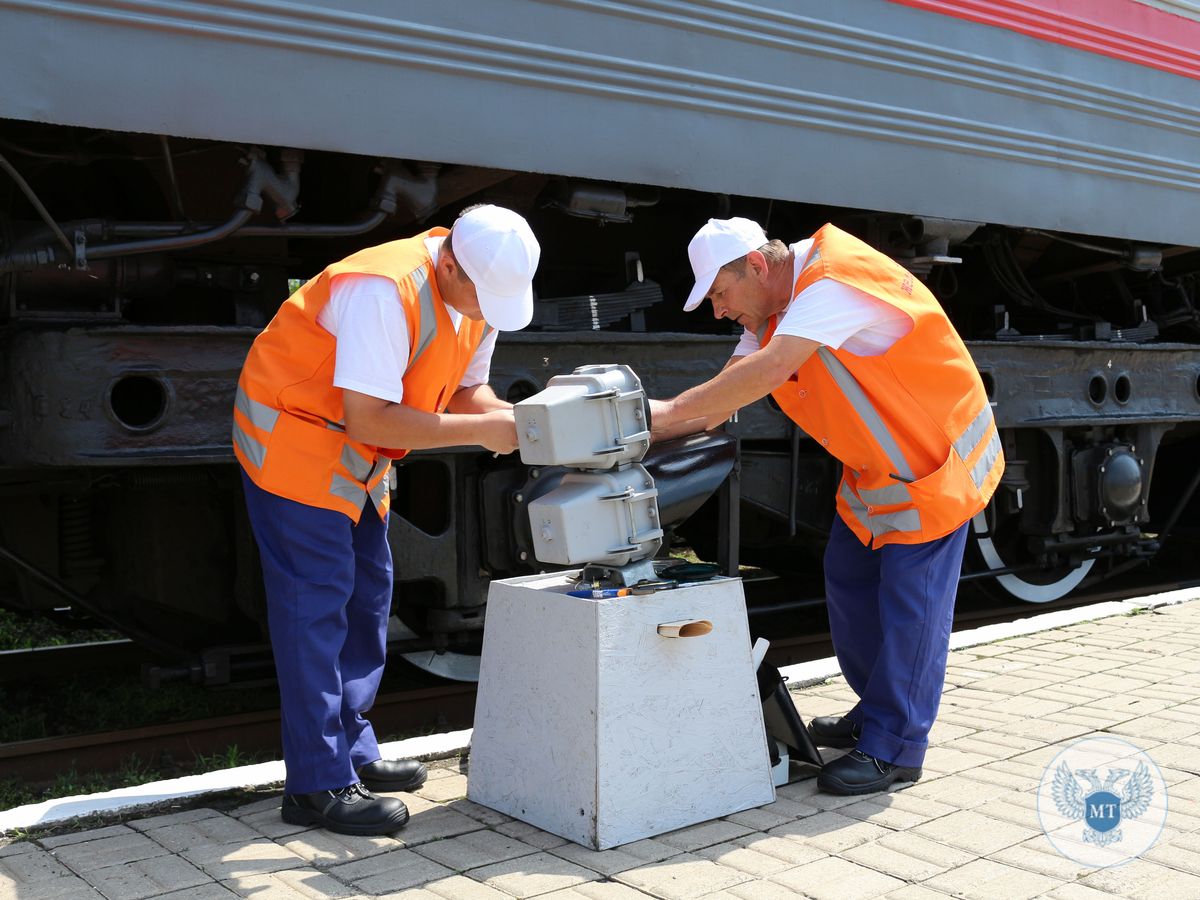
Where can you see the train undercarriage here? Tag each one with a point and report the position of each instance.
(135, 271)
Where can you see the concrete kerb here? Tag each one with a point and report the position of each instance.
(453, 743)
(48, 812)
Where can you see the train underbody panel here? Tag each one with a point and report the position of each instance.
(1039, 190)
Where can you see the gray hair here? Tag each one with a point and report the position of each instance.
(774, 251)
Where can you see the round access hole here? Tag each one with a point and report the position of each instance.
(1097, 389)
(1122, 389)
(138, 402)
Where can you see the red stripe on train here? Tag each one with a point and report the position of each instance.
(1121, 29)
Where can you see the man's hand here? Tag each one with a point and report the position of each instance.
(498, 431)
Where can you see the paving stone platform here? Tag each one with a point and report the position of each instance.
(968, 829)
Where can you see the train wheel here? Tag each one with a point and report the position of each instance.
(1001, 546)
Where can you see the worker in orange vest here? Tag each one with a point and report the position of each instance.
(858, 353)
(385, 352)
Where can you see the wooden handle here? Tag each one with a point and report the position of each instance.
(685, 628)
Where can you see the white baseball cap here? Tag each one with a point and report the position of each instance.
(499, 253)
(719, 242)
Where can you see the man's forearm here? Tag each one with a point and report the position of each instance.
(385, 424)
(478, 398)
(739, 384)
(397, 425)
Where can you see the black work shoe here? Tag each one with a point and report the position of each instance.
(389, 775)
(857, 773)
(834, 731)
(349, 810)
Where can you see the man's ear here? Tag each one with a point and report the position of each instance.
(452, 267)
(758, 265)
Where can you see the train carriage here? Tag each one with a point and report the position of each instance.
(169, 168)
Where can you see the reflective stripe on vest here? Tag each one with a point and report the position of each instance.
(890, 495)
(970, 440)
(869, 414)
(262, 417)
(379, 490)
(903, 520)
(355, 464)
(249, 445)
(428, 316)
(350, 491)
(353, 490)
(979, 471)
(893, 494)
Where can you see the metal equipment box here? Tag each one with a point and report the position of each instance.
(593, 724)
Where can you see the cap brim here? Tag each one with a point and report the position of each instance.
(506, 313)
(699, 292)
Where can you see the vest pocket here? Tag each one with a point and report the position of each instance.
(946, 498)
(300, 462)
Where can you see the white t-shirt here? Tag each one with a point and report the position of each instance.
(366, 316)
(836, 315)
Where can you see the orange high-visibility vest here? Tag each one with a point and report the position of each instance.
(289, 431)
(912, 427)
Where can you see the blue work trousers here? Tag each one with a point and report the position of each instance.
(329, 595)
(890, 612)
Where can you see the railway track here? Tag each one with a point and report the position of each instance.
(443, 707)
(46, 662)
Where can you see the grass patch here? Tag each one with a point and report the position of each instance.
(20, 631)
(134, 771)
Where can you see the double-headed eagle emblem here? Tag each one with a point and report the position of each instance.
(1099, 805)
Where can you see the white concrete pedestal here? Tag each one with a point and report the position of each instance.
(591, 725)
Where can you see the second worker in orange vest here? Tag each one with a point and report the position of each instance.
(385, 352)
(859, 354)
